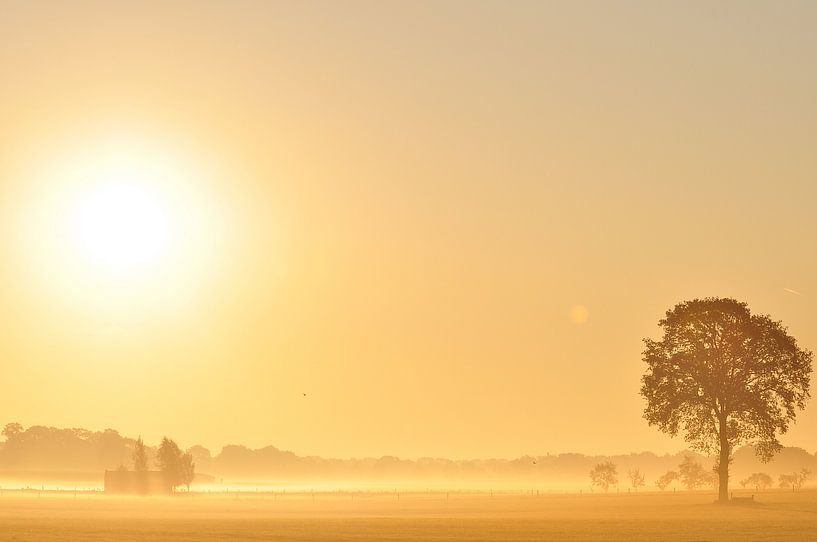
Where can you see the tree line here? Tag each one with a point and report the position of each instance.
(692, 475)
(56, 450)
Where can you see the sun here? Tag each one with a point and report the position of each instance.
(121, 226)
(121, 211)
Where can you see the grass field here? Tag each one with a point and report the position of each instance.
(777, 515)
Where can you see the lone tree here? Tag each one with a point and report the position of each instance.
(692, 474)
(636, 478)
(794, 480)
(604, 475)
(724, 377)
(758, 480)
(666, 479)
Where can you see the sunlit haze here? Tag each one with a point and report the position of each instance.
(410, 229)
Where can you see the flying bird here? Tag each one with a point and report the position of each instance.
(795, 292)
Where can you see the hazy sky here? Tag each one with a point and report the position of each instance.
(397, 208)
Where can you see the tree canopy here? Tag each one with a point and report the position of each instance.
(666, 479)
(758, 480)
(140, 457)
(604, 475)
(723, 377)
(795, 480)
(692, 474)
(178, 467)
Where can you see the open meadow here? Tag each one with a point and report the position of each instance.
(776, 515)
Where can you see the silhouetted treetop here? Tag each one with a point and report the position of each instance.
(140, 457)
(12, 429)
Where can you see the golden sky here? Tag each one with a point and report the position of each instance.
(449, 224)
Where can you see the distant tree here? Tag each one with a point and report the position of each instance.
(11, 430)
(758, 480)
(724, 376)
(122, 468)
(140, 456)
(794, 480)
(173, 464)
(50, 448)
(201, 455)
(168, 454)
(188, 470)
(636, 478)
(712, 479)
(604, 475)
(787, 480)
(805, 474)
(692, 474)
(666, 479)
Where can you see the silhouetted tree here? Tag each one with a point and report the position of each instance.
(178, 468)
(636, 478)
(140, 456)
(666, 479)
(11, 430)
(604, 475)
(803, 476)
(794, 480)
(758, 480)
(724, 377)
(188, 470)
(692, 474)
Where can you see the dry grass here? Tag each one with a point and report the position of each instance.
(649, 516)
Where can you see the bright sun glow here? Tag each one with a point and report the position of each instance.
(123, 210)
(121, 226)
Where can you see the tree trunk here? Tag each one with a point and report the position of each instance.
(723, 464)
